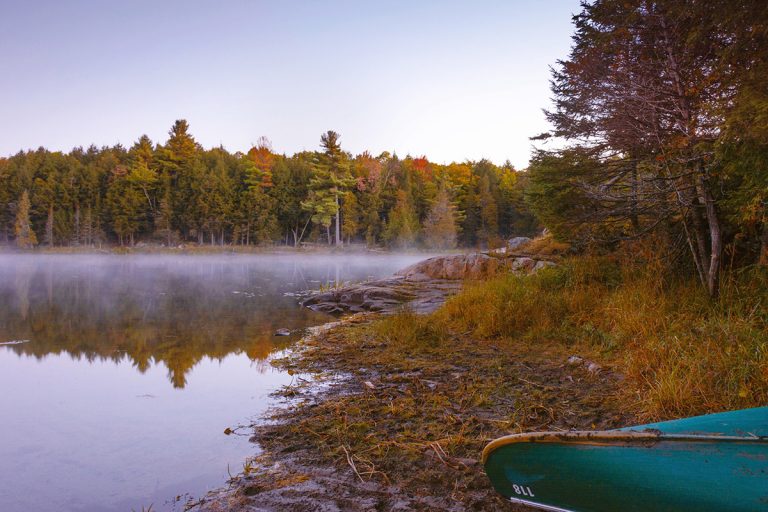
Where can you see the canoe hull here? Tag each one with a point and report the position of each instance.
(635, 469)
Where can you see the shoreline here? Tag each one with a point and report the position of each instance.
(194, 249)
(390, 422)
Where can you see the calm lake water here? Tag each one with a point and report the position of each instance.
(119, 374)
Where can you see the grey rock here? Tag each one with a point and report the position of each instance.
(518, 241)
(523, 264)
(542, 264)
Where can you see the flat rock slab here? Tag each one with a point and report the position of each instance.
(384, 295)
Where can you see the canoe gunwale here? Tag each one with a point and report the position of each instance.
(611, 437)
(540, 506)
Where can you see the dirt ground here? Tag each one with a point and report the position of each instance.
(375, 424)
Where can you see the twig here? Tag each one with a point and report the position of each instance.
(352, 463)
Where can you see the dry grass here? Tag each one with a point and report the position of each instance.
(545, 246)
(420, 401)
(683, 354)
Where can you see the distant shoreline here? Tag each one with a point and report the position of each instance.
(143, 249)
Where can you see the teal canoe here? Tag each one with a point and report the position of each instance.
(705, 463)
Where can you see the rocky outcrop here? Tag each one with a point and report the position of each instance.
(469, 266)
(459, 266)
(424, 286)
(384, 295)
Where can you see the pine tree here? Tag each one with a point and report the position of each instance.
(25, 235)
(258, 206)
(163, 225)
(331, 179)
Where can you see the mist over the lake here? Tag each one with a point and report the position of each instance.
(105, 357)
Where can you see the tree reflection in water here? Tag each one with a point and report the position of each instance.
(155, 309)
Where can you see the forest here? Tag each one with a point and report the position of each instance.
(659, 129)
(178, 192)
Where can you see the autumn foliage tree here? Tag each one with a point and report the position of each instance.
(642, 101)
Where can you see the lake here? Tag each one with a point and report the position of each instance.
(119, 374)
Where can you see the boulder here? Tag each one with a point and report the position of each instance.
(542, 264)
(517, 242)
(523, 264)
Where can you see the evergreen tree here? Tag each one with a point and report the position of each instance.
(403, 225)
(258, 206)
(125, 205)
(330, 180)
(291, 178)
(351, 216)
(180, 171)
(25, 235)
(163, 221)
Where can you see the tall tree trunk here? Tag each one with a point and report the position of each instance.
(338, 221)
(49, 227)
(763, 259)
(634, 216)
(715, 237)
(328, 234)
(77, 240)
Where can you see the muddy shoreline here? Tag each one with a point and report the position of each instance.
(376, 420)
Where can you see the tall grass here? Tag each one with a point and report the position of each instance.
(682, 353)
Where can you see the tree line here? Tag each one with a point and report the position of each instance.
(661, 114)
(178, 192)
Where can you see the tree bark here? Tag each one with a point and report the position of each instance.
(715, 249)
(763, 259)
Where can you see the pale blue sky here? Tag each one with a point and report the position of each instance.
(451, 80)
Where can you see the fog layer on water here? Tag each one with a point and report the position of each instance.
(121, 373)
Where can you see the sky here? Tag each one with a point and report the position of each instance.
(452, 80)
